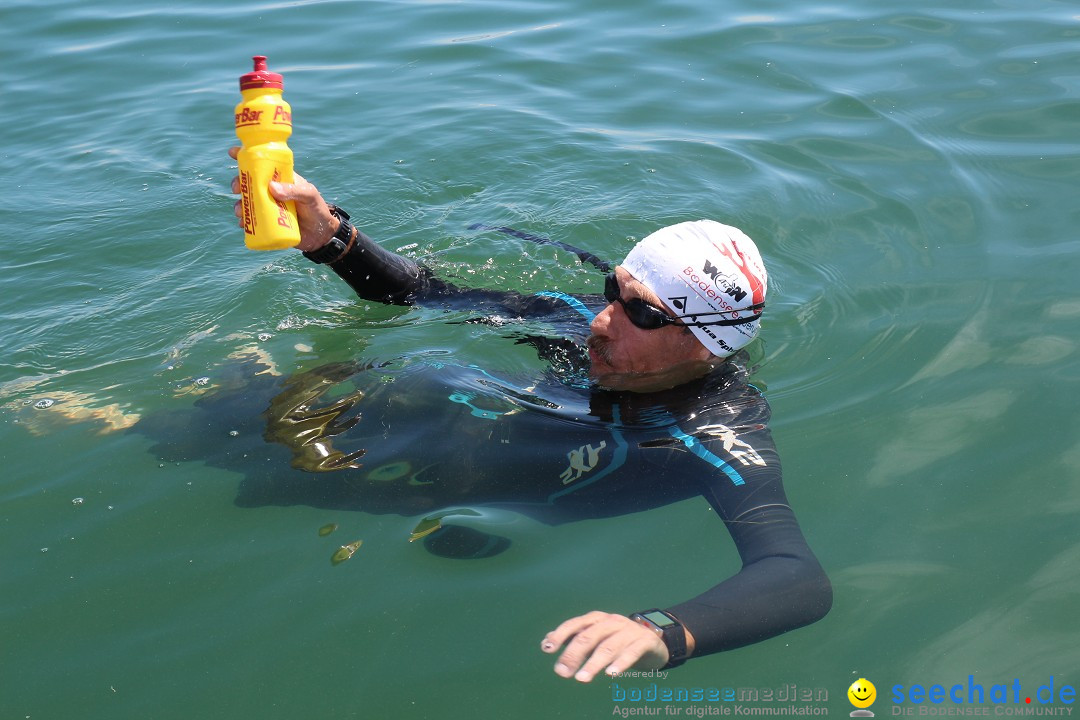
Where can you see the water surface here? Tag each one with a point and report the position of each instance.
(909, 172)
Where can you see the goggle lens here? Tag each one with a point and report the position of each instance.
(640, 313)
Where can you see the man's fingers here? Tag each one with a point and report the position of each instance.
(598, 657)
(591, 643)
(555, 639)
(589, 651)
(291, 191)
(602, 642)
(629, 656)
(300, 191)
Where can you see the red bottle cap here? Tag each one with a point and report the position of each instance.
(261, 77)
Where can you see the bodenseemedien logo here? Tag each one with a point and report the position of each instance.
(862, 695)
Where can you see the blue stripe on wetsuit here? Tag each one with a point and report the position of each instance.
(569, 300)
(694, 445)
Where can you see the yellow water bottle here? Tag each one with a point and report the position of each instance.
(264, 124)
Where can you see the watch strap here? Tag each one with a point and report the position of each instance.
(340, 244)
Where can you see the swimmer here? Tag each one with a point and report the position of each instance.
(675, 415)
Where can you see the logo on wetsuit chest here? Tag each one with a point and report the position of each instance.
(582, 460)
(740, 450)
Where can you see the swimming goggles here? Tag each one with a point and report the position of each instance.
(650, 317)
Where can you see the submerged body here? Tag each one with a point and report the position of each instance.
(555, 448)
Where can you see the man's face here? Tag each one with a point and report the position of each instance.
(626, 357)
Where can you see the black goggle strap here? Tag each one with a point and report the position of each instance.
(733, 321)
(645, 311)
(756, 308)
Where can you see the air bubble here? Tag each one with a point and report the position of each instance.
(77, 501)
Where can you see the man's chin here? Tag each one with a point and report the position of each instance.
(607, 378)
(604, 376)
(601, 371)
(598, 378)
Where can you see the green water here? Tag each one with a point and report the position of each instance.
(910, 173)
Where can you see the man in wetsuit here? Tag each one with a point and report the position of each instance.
(681, 305)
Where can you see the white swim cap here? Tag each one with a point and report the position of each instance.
(703, 268)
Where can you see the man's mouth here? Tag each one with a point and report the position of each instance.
(599, 349)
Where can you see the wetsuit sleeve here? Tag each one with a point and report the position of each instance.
(375, 273)
(781, 585)
(378, 274)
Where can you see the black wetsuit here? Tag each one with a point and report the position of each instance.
(568, 451)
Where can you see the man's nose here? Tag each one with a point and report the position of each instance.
(602, 322)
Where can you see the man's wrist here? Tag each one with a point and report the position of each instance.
(335, 225)
(340, 243)
(670, 631)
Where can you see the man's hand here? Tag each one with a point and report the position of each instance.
(600, 641)
(316, 223)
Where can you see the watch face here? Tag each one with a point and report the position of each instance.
(658, 618)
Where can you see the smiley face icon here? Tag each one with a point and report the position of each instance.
(862, 693)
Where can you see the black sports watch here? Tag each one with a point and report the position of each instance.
(669, 629)
(339, 244)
